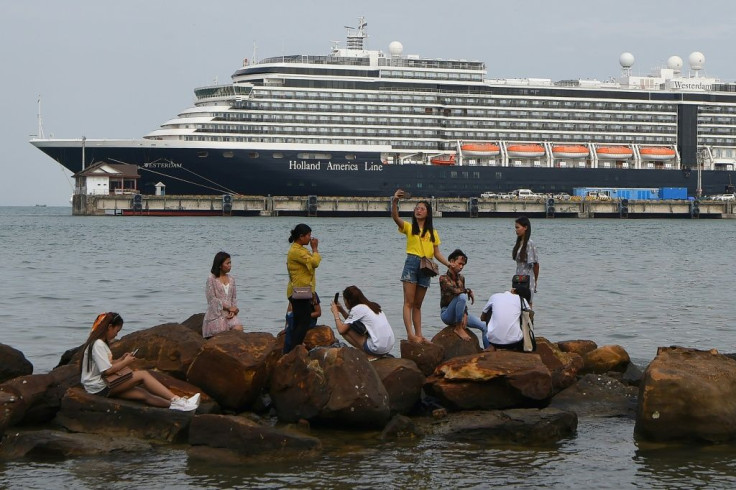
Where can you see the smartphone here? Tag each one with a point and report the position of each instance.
(134, 353)
(337, 296)
(407, 195)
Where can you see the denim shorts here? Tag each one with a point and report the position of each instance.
(411, 272)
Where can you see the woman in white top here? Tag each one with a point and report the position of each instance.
(98, 362)
(365, 326)
(222, 298)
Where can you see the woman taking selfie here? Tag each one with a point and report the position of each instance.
(422, 240)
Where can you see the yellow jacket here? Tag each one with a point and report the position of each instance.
(301, 265)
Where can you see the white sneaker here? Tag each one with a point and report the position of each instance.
(195, 400)
(181, 404)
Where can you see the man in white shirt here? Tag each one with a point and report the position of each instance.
(502, 313)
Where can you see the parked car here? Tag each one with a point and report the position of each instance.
(562, 196)
(490, 195)
(525, 194)
(724, 197)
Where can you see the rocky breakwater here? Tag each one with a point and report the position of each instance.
(258, 404)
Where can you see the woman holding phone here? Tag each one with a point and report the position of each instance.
(422, 240)
(97, 362)
(365, 326)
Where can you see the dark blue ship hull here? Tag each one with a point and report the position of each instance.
(191, 171)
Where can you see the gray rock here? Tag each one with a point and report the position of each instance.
(516, 426)
(52, 443)
(598, 395)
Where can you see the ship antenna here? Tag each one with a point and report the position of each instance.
(356, 36)
(40, 120)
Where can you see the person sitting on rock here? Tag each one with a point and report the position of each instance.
(316, 313)
(454, 298)
(365, 326)
(502, 313)
(97, 362)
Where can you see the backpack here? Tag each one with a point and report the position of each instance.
(527, 327)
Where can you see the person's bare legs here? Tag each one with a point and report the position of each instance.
(138, 393)
(152, 392)
(410, 290)
(416, 313)
(354, 339)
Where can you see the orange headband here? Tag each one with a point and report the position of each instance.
(98, 321)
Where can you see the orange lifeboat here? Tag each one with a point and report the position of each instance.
(614, 152)
(443, 160)
(480, 149)
(572, 151)
(525, 151)
(657, 153)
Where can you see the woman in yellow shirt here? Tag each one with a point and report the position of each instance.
(422, 240)
(301, 265)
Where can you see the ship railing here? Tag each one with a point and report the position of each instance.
(317, 60)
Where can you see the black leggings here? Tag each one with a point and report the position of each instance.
(302, 309)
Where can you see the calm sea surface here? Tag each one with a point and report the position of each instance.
(637, 283)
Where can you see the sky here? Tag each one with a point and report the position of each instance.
(119, 69)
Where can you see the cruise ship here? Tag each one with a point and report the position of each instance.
(360, 122)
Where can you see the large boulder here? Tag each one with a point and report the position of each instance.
(35, 398)
(517, 426)
(53, 443)
(227, 438)
(319, 336)
(605, 359)
(82, 412)
(563, 366)
(13, 363)
(329, 385)
(598, 395)
(580, 347)
(234, 367)
(194, 323)
(454, 346)
(403, 382)
(686, 395)
(426, 356)
(170, 348)
(492, 380)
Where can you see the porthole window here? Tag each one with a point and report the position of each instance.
(253, 154)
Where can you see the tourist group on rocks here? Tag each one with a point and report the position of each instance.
(240, 395)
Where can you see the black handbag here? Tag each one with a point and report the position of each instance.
(520, 280)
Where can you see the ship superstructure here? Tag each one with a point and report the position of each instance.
(359, 121)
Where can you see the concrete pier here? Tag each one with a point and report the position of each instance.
(235, 205)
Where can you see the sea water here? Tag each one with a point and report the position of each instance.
(640, 284)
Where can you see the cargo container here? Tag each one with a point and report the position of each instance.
(632, 193)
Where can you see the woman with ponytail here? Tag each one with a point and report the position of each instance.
(97, 362)
(301, 265)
